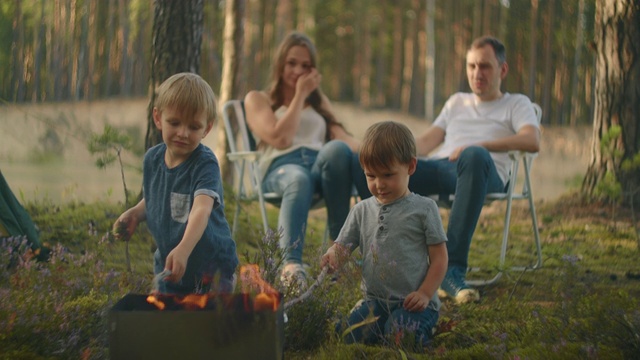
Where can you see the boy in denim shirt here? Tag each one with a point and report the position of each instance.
(182, 188)
(402, 242)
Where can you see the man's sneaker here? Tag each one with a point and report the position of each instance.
(455, 287)
(294, 275)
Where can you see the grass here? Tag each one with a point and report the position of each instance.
(582, 304)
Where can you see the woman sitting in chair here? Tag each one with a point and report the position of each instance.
(305, 150)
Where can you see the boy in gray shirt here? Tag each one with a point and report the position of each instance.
(401, 239)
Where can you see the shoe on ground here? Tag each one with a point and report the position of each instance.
(455, 287)
(294, 277)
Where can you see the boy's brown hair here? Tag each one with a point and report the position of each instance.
(188, 94)
(386, 143)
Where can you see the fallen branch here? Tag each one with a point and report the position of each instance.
(307, 293)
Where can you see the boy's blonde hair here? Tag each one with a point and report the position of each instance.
(386, 143)
(188, 94)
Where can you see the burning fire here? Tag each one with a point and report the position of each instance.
(266, 298)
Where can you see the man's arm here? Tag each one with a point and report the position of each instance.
(526, 139)
(431, 139)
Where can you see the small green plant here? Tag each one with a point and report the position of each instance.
(108, 146)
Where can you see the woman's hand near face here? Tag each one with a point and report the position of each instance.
(308, 82)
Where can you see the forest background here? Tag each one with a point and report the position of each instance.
(403, 55)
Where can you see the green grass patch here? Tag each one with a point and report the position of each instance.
(582, 304)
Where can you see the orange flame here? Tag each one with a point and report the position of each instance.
(267, 297)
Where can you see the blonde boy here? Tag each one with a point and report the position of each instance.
(182, 187)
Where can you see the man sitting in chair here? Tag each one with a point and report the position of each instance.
(476, 131)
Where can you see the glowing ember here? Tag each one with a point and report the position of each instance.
(151, 299)
(193, 300)
(264, 301)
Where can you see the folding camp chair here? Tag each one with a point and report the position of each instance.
(243, 154)
(512, 194)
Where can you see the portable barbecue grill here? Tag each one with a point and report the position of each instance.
(227, 328)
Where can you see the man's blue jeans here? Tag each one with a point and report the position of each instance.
(299, 175)
(470, 178)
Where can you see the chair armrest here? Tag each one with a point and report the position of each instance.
(244, 155)
(513, 154)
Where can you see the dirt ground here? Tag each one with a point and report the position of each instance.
(25, 128)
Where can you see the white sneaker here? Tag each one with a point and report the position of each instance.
(294, 275)
(454, 286)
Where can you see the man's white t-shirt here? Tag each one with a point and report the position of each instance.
(467, 121)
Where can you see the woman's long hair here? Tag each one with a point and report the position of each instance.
(275, 87)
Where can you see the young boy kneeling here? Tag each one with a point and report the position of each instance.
(402, 242)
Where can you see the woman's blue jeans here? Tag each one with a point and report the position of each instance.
(470, 178)
(297, 176)
(392, 320)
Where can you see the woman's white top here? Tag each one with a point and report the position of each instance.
(311, 134)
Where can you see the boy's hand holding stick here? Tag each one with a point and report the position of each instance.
(121, 232)
(335, 256)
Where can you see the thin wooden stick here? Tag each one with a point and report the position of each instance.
(307, 293)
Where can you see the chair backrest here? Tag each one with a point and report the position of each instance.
(235, 123)
(240, 140)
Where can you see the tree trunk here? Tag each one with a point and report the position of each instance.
(547, 85)
(126, 54)
(83, 49)
(17, 53)
(477, 18)
(177, 39)
(267, 39)
(430, 60)
(417, 97)
(231, 65)
(533, 30)
(396, 63)
(381, 72)
(408, 69)
(284, 18)
(38, 49)
(576, 104)
(364, 81)
(109, 48)
(617, 91)
(72, 57)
